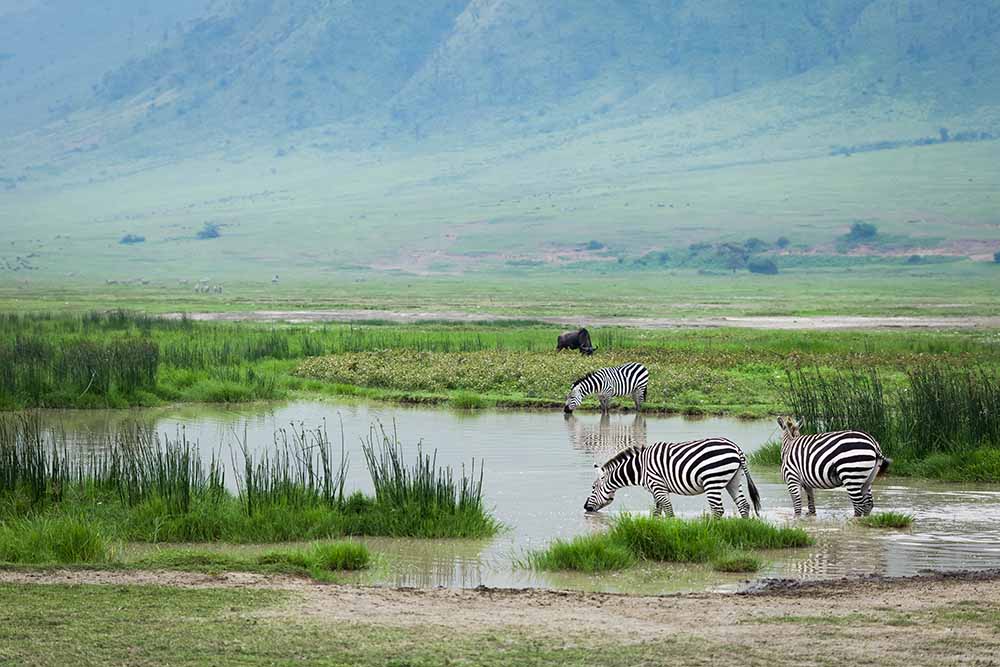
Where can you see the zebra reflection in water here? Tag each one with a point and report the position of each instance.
(606, 438)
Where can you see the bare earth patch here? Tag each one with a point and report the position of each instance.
(817, 323)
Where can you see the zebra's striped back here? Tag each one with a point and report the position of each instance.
(689, 468)
(628, 379)
(829, 460)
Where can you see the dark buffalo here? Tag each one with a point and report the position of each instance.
(576, 340)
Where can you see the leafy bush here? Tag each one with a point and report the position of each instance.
(782, 242)
(861, 231)
(996, 257)
(209, 231)
(754, 245)
(762, 265)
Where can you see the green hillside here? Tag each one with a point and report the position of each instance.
(366, 144)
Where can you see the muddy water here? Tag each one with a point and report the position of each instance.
(539, 468)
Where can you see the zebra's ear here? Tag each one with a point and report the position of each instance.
(781, 422)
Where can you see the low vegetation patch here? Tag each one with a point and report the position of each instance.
(141, 488)
(721, 542)
(887, 520)
(769, 454)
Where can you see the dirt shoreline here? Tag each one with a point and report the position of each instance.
(812, 323)
(570, 610)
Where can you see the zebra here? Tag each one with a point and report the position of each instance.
(851, 459)
(685, 468)
(626, 380)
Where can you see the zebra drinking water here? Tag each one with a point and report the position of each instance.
(626, 380)
(685, 468)
(851, 459)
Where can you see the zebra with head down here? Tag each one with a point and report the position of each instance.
(626, 380)
(685, 468)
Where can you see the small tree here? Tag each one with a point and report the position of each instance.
(762, 265)
(782, 242)
(754, 245)
(996, 257)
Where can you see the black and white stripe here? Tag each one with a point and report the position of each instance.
(830, 460)
(626, 380)
(685, 468)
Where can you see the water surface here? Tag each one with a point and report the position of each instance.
(539, 469)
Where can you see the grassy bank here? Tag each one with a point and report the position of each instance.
(120, 359)
(137, 487)
(722, 542)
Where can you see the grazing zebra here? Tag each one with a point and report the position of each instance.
(685, 468)
(626, 380)
(851, 459)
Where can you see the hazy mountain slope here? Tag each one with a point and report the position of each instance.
(52, 52)
(467, 135)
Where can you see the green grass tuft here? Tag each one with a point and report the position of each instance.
(736, 561)
(769, 454)
(61, 540)
(585, 553)
(887, 520)
(467, 400)
(720, 541)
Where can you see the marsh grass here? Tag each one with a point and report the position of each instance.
(139, 487)
(941, 421)
(722, 542)
(769, 454)
(585, 553)
(887, 520)
(55, 540)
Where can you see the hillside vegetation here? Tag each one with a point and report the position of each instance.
(341, 142)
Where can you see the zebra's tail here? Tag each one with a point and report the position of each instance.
(883, 466)
(754, 493)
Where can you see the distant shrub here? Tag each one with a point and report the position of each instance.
(132, 239)
(761, 265)
(996, 257)
(754, 244)
(209, 231)
(862, 231)
(594, 245)
(782, 242)
(698, 247)
(915, 259)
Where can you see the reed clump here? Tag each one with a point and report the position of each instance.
(139, 486)
(939, 421)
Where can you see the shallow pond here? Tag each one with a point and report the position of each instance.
(539, 468)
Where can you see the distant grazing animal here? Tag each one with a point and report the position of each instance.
(685, 468)
(851, 459)
(575, 340)
(626, 380)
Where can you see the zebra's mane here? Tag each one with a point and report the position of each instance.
(626, 453)
(589, 375)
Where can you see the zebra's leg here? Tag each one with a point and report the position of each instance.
(714, 496)
(810, 500)
(605, 403)
(867, 504)
(637, 397)
(795, 491)
(663, 504)
(858, 499)
(735, 489)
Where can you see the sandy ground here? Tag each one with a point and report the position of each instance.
(719, 615)
(826, 322)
